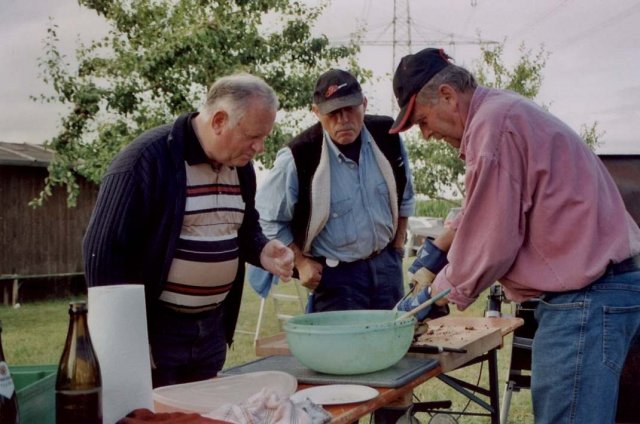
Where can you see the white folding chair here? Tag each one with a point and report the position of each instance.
(278, 298)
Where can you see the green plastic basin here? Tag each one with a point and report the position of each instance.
(35, 389)
(349, 342)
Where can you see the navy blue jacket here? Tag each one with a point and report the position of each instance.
(136, 223)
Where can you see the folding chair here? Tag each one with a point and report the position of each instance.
(266, 285)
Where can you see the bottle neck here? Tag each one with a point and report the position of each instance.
(78, 339)
(79, 367)
(79, 324)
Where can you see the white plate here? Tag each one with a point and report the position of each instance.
(335, 394)
(207, 395)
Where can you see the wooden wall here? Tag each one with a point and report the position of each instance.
(625, 170)
(44, 240)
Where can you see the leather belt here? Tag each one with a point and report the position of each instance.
(334, 262)
(373, 254)
(628, 265)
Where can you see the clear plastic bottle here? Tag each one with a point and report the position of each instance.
(78, 383)
(9, 413)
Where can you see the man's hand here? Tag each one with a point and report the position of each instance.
(420, 280)
(277, 259)
(433, 311)
(412, 302)
(431, 259)
(400, 239)
(310, 272)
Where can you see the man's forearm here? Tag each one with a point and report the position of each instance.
(445, 239)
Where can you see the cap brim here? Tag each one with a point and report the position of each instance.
(403, 121)
(329, 106)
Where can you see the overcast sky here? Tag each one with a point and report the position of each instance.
(593, 73)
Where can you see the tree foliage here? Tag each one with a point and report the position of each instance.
(437, 170)
(592, 135)
(157, 61)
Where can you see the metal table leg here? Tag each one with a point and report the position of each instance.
(493, 386)
(469, 391)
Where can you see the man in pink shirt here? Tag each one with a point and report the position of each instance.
(541, 215)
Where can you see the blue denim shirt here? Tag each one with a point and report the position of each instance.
(360, 219)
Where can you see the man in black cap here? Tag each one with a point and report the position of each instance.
(543, 216)
(339, 195)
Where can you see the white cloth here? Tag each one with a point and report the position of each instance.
(266, 407)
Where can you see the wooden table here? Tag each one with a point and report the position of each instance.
(349, 413)
(481, 337)
(476, 335)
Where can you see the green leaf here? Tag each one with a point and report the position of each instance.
(157, 61)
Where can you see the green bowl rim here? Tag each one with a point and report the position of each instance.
(291, 326)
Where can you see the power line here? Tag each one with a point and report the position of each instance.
(408, 26)
(417, 34)
(606, 24)
(393, 43)
(540, 18)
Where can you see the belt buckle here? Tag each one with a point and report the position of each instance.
(331, 263)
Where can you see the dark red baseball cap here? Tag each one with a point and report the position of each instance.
(413, 72)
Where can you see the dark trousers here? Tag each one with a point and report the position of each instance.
(186, 347)
(374, 283)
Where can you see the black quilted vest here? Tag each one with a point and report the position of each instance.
(306, 148)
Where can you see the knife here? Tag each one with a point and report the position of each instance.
(426, 348)
(424, 305)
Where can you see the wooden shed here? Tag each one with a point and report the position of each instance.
(42, 246)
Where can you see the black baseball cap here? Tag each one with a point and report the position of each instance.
(336, 89)
(413, 72)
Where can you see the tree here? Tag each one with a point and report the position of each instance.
(157, 61)
(437, 170)
(591, 135)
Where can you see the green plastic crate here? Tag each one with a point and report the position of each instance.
(35, 388)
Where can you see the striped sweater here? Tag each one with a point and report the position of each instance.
(135, 226)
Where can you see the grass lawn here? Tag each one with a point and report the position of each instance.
(35, 334)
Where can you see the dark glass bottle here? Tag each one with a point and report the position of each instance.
(78, 384)
(8, 400)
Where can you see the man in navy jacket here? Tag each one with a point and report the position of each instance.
(176, 213)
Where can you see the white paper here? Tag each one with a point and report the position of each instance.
(118, 328)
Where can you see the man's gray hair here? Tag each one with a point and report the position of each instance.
(235, 92)
(456, 76)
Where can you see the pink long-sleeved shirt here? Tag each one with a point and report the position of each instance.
(541, 213)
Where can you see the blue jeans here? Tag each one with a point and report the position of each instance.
(580, 348)
(374, 283)
(187, 347)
